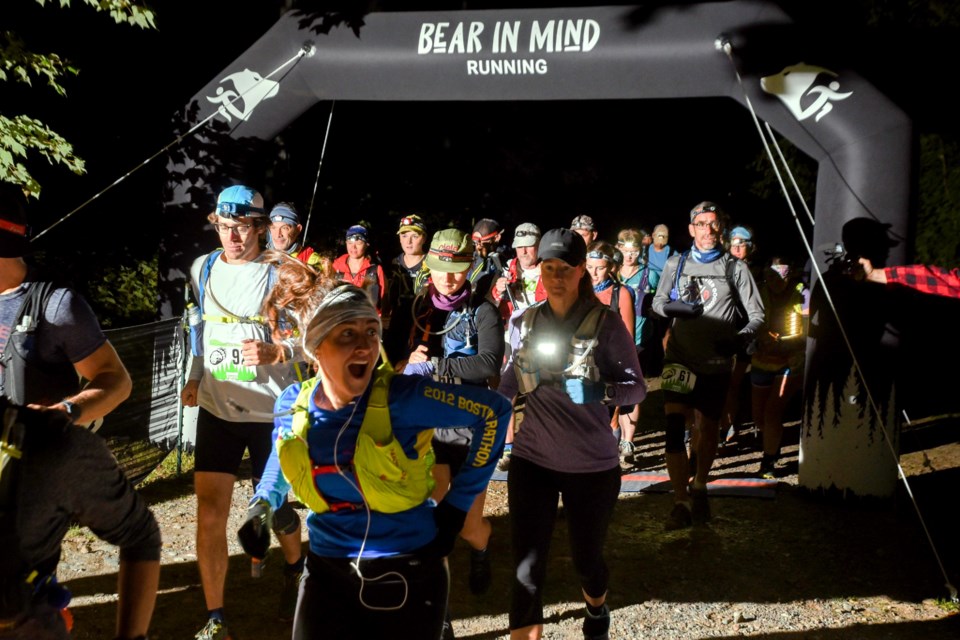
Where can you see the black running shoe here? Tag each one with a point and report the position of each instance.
(597, 627)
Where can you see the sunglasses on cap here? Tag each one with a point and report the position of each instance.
(522, 234)
(736, 242)
(356, 238)
(659, 235)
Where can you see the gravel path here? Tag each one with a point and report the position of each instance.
(792, 567)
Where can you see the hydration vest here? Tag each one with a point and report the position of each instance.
(389, 481)
(460, 340)
(580, 364)
(26, 378)
(196, 329)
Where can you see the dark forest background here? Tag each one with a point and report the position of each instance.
(626, 163)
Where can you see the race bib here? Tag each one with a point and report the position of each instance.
(225, 362)
(678, 378)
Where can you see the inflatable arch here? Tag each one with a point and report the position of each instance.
(860, 139)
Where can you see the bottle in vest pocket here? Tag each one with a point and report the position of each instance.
(196, 329)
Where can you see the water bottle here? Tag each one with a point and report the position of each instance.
(194, 320)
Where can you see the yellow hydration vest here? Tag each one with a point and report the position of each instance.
(390, 481)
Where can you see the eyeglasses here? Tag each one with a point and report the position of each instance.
(225, 229)
(632, 254)
(715, 225)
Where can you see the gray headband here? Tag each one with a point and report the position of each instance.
(346, 302)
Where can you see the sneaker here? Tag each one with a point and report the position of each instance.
(700, 510)
(597, 627)
(768, 467)
(679, 518)
(627, 458)
(504, 463)
(288, 594)
(480, 576)
(447, 632)
(213, 630)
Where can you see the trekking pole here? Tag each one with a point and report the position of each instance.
(495, 259)
(183, 341)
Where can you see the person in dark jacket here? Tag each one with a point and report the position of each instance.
(457, 336)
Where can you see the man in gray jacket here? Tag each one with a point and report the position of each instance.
(715, 308)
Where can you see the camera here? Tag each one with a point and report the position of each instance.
(843, 261)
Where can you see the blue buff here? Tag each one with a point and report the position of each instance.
(705, 257)
(419, 369)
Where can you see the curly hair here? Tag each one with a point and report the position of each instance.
(297, 292)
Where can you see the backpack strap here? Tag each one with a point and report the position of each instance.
(675, 291)
(204, 284)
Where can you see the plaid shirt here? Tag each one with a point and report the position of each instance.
(935, 280)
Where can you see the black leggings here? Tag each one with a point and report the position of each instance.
(330, 606)
(589, 499)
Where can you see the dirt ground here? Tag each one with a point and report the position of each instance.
(793, 567)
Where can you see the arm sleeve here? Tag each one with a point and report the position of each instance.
(662, 296)
(485, 412)
(273, 486)
(750, 299)
(489, 349)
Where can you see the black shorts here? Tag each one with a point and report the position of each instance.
(708, 395)
(220, 444)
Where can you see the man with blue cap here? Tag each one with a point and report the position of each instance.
(236, 374)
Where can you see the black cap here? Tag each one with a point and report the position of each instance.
(565, 245)
(14, 231)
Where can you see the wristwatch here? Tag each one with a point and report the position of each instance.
(73, 410)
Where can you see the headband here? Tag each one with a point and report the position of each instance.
(598, 255)
(346, 302)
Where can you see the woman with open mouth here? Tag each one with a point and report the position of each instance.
(353, 443)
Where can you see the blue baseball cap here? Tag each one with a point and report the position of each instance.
(240, 201)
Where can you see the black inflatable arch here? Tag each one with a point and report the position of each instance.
(860, 139)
